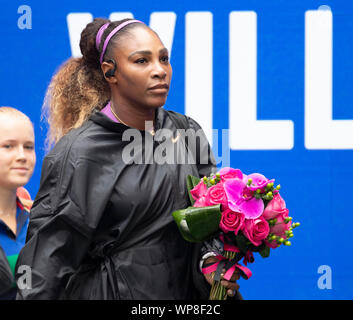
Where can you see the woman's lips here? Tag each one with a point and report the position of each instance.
(22, 170)
(160, 88)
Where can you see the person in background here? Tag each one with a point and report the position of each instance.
(17, 161)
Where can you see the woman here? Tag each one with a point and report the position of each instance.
(17, 160)
(101, 224)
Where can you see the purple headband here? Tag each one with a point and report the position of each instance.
(100, 33)
(111, 34)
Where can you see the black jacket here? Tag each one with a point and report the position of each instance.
(6, 278)
(101, 228)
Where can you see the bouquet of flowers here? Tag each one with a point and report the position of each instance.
(245, 212)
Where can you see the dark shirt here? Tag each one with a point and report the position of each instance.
(11, 245)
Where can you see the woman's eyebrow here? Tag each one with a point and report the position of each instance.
(147, 52)
(15, 141)
(9, 140)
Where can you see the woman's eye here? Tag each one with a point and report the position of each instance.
(7, 146)
(29, 147)
(142, 60)
(165, 59)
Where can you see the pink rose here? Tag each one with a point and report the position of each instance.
(217, 195)
(230, 173)
(202, 202)
(280, 227)
(275, 207)
(231, 221)
(256, 230)
(199, 190)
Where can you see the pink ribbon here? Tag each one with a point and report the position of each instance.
(229, 247)
(226, 246)
(244, 272)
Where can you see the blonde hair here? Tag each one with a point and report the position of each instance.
(13, 112)
(74, 91)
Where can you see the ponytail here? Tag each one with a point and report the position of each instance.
(76, 89)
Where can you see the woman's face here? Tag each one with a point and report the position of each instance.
(143, 72)
(17, 154)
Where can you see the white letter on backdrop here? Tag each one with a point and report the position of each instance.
(321, 132)
(246, 132)
(199, 69)
(163, 23)
(115, 16)
(76, 22)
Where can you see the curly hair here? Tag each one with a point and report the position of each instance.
(79, 86)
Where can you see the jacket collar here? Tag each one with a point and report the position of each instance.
(101, 119)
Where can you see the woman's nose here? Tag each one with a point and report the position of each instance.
(159, 71)
(21, 154)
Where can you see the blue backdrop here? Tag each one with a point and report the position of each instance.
(278, 74)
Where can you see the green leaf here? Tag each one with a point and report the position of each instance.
(198, 224)
(179, 217)
(191, 182)
(265, 252)
(203, 222)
